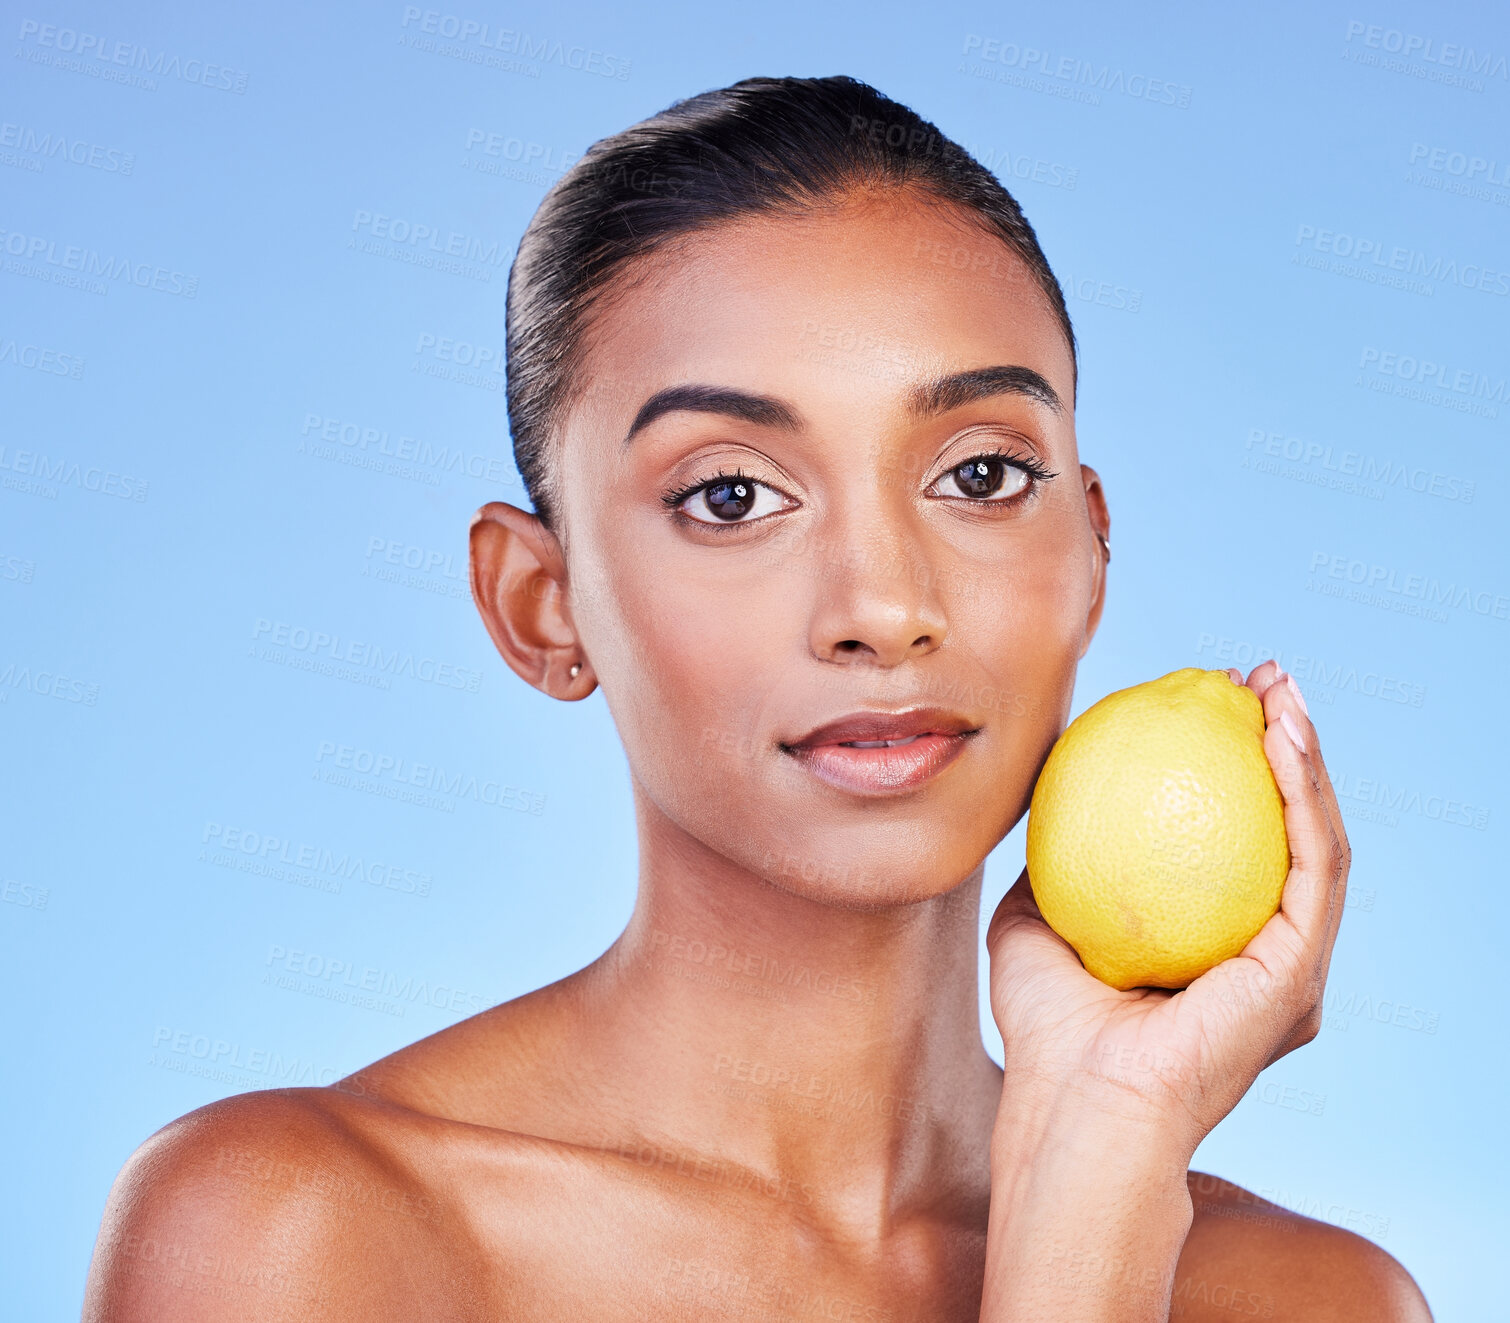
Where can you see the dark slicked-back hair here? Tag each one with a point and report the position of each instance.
(761, 145)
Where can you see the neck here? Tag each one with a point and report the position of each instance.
(830, 1051)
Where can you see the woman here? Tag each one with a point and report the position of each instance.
(792, 390)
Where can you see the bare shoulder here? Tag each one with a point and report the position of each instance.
(271, 1205)
(1248, 1256)
(415, 1188)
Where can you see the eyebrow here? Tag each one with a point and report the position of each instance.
(926, 400)
(946, 393)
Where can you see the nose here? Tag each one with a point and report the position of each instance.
(879, 600)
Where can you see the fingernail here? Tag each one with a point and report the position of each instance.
(1293, 731)
(1279, 673)
(1299, 697)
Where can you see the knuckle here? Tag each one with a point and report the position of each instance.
(1316, 841)
(1315, 991)
(1291, 984)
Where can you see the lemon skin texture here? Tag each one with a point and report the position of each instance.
(1156, 839)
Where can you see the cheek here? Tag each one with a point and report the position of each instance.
(1058, 598)
(1033, 605)
(692, 671)
(1027, 629)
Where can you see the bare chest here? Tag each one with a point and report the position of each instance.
(617, 1243)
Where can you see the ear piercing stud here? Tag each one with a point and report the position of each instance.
(576, 670)
(1107, 546)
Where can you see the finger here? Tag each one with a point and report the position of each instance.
(1019, 903)
(1275, 687)
(1304, 1032)
(1262, 676)
(1287, 697)
(1328, 796)
(1282, 702)
(1019, 919)
(1294, 946)
(1278, 692)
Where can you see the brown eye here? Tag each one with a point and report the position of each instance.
(986, 477)
(729, 499)
(732, 498)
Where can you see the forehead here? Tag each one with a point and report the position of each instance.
(847, 306)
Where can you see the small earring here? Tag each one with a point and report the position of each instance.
(576, 670)
(1106, 545)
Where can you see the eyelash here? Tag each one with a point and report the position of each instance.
(1035, 468)
(674, 496)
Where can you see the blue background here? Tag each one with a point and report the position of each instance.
(1240, 382)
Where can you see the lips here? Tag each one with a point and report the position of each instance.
(885, 727)
(883, 753)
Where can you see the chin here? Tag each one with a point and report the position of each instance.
(868, 880)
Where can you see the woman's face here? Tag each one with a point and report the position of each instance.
(847, 559)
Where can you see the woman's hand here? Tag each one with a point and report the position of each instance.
(1106, 1094)
(1180, 1061)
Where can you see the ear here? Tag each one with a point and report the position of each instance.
(519, 585)
(1095, 507)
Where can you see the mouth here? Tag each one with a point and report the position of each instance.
(883, 753)
(877, 744)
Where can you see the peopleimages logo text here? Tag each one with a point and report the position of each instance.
(1428, 372)
(128, 54)
(1470, 275)
(1460, 164)
(396, 229)
(58, 146)
(355, 652)
(1072, 69)
(1412, 46)
(1426, 588)
(324, 866)
(510, 41)
(379, 441)
(72, 257)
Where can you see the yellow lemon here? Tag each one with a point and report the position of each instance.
(1156, 836)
